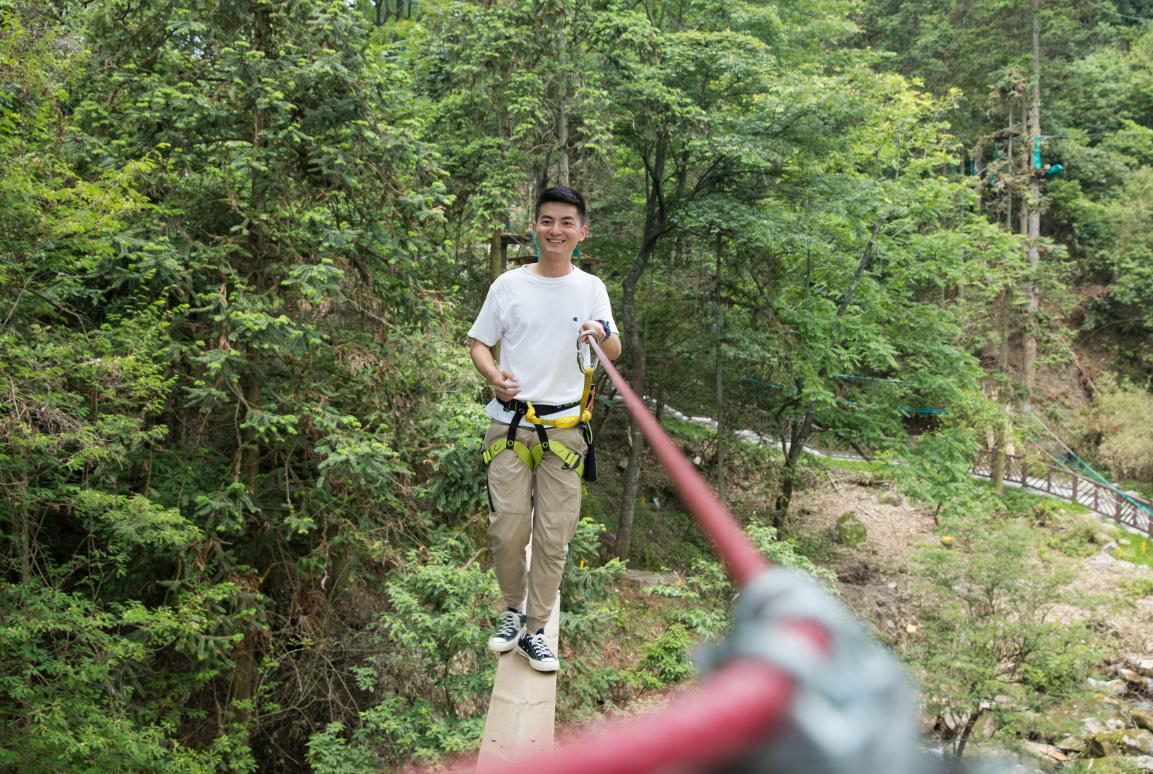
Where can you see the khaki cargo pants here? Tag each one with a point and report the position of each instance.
(542, 506)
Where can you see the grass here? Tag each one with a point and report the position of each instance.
(1139, 550)
(1137, 588)
(1142, 488)
(856, 466)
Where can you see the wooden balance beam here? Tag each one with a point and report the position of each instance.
(522, 709)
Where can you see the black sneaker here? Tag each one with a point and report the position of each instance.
(535, 648)
(505, 637)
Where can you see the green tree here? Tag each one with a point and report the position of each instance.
(212, 298)
(988, 645)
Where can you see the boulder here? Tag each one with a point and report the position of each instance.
(1095, 726)
(849, 530)
(1108, 687)
(1071, 744)
(1129, 741)
(889, 498)
(1142, 719)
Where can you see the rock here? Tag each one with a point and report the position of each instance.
(1142, 718)
(1094, 726)
(1109, 687)
(849, 530)
(1071, 744)
(1138, 740)
(1144, 666)
(1044, 751)
(1101, 539)
(1128, 741)
(889, 498)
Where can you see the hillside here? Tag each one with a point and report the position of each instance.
(1096, 711)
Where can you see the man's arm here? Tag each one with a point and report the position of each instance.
(502, 382)
(610, 345)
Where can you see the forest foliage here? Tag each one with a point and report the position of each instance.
(241, 241)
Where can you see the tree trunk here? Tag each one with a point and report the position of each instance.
(245, 654)
(799, 433)
(719, 323)
(562, 97)
(966, 732)
(656, 218)
(637, 381)
(997, 469)
(1033, 224)
(496, 257)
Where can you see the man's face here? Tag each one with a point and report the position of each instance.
(558, 229)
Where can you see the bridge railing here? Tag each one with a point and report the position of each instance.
(1104, 499)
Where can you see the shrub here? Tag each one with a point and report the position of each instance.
(1126, 445)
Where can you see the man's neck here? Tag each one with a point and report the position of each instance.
(551, 267)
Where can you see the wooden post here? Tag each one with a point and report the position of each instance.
(1075, 478)
(1049, 479)
(497, 256)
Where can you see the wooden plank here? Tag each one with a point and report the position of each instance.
(522, 709)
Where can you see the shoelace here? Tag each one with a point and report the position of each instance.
(509, 625)
(539, 646)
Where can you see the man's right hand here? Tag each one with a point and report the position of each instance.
(506, 386)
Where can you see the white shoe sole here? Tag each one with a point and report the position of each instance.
(502, 646)
(540, 666)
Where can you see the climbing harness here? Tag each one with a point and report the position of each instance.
(535, 415)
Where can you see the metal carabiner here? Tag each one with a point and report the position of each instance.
(587, 359)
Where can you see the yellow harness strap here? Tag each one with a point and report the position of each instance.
(532, 457)
(584, 416)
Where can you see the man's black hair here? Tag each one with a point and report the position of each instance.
(564, 195)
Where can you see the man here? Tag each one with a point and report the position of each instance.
(536, 313)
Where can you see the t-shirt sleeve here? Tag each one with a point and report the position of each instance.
(486, 327)
(602, 310)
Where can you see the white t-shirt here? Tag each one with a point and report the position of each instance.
(536, 320)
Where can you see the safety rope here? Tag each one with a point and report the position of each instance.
(733, 710)
(1077, 466)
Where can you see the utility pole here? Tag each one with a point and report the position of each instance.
(1033, 216)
